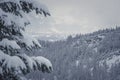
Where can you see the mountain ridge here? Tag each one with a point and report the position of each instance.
(94, 56)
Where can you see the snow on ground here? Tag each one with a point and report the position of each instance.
(84, 66)
(101, 36)
(91, 70)
(95, 49)
(91, 45)
(111, 61)
(77, 63)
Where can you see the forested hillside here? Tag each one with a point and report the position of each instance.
(94, 56)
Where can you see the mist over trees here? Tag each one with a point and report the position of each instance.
(94, 56)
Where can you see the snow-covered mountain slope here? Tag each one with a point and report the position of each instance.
(94, 56)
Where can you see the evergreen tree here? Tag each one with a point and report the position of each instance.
(14, 63)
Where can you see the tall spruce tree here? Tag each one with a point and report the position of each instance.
(14, 63)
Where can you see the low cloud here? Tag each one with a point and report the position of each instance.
(79, 16)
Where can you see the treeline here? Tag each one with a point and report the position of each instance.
(93, 56)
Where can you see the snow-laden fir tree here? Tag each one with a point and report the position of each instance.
(14, 63)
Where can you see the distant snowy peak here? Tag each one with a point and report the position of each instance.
(49, 37)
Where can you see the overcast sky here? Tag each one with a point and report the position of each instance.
(78, 16)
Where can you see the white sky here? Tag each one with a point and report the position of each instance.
(78, 16)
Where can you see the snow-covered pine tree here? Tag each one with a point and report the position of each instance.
(14, 63)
